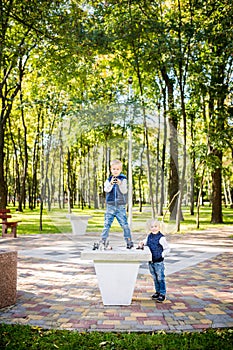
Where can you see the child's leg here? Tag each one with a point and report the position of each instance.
(122, 219)
(108, 220)
(152, 269)
(159, 270)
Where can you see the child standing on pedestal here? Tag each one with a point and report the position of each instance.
(159, 248)
(116, 198)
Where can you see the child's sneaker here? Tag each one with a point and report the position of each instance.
(95, 246)
(129, 244)
(161, 298)
(104, 245)
(155, 296)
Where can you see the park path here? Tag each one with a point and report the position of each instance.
(56, 289)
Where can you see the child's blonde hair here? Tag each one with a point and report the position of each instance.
(116, 162)
(150, 222)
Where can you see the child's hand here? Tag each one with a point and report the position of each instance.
(115, 180)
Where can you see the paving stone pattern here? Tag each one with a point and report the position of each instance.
(56, 289)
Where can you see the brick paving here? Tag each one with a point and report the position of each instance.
(58, 290)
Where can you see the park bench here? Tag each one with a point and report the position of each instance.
(8, 225)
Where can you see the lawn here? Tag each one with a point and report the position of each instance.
(26, 337)
(55, 221)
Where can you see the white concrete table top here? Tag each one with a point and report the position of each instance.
(118, 254)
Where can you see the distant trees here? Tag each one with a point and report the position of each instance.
(66, 109)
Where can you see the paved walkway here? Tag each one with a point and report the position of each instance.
(58, 290)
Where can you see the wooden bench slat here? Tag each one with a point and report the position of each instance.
(4, 211)
(5, 217)
(9, 223)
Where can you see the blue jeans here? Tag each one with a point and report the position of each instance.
(119, 213)
(157, 272)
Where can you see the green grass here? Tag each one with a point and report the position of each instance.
(26, 337)
(55, 221)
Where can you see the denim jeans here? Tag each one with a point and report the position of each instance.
(119, 213)
(157, 272)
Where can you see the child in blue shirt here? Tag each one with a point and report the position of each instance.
(159, 248)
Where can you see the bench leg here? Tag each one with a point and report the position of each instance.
(13, 232)
(4, 230)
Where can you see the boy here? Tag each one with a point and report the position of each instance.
(159, 249)
(116, 189)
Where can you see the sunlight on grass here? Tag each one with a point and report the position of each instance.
(55, 221)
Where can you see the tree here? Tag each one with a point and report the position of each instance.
(213, 60)
(23, 26)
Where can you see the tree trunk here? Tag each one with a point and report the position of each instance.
(173, 185)
(163, 160)
(22, 194)
(140, 181)
(157, 182)
(95, 178)
(3, 188)
(216, 217)
(193, 167)
(199, 197)
(150, 182)
(88, 180)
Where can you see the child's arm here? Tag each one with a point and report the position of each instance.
(123, 186)
(107, 186)
(165, 245)
(142, 243)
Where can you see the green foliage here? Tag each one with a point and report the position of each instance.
(25, 337)
(68, 64)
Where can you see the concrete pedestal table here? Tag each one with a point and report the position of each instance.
(78, 223)
(116, 272)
